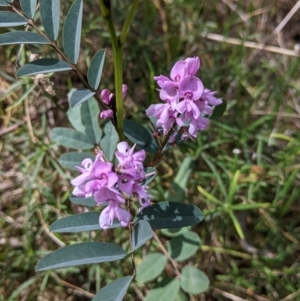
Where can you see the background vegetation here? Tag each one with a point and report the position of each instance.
(249, 157)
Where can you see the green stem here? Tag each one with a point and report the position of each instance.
(117, 56)
(128, 21)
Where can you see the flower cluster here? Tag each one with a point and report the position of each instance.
(186, 101)
(111, 185)
(107, 98)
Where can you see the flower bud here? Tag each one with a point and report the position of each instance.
(106, 114)
(124, 91)
(105, 96)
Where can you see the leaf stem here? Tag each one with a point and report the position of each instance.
(172, 261)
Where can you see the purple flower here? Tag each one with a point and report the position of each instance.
(124, 91)
(210, 98)
(186, 100)
(190, 87)
(111, 212)
(130, 162)
(95, 176)
(130, 186)
(109, 195)
(192, 65)
(107, 114)
(105, 96)
(143, 196)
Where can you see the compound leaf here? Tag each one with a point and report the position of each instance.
(22, 37)
(165, 215)
(5, 2)
(28, 7)
(43, 66)
(184, 246)
(141, 136)
(72, 159)
(71, 34)
(81, 253)
(86, 221)
(95, 69)
(80, 96)
(115, 291)
(193, 280)
(50, 13)
(11, 19)
(152, 265)
(109, 141)
(71, 138)
(83, 201)
(167, 289)
(142, 232)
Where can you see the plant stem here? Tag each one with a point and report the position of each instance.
(172, 261)
(128, 21)
(118, 68)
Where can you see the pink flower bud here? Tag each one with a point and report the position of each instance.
(124, 91)
(105, 96)
(107, 114)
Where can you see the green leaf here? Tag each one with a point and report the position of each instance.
(110, 140)
(81, 253)
(50, 13)
(175, 231)
(193, 280)
(151, 267)
(142, 232)
(5, 3)
(115, 291)
(138, 134)
(86, 221)
(80, 96)
(72, 159)
(71, 34)
(71, 138)
(95, 70)
(28, 7)
(43, 66)
(22, 37)
(219, 110)
(150, 175)
(11, 19)
(165, 215)
(184, 246)
(176, 192)
(85, 119)
(181, 297)
(83, 201)
(167, 289)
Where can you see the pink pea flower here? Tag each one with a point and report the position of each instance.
(130, 186)
(111, 212)
(105, 96)
(95, 176)
(210, 98)
(130, 162)
(124, 91)
(106, 114)
(192, 65)
(190, 87)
